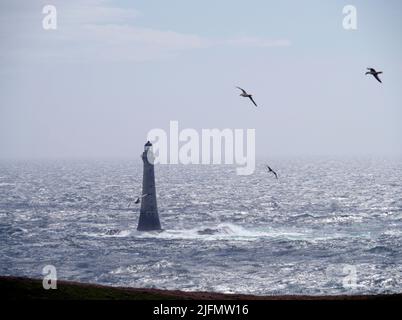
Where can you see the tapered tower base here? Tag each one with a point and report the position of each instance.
(149, 217)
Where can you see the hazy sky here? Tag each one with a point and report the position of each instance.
(113, 70)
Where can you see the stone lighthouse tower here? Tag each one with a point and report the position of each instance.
(149, 218)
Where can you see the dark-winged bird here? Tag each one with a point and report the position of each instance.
(246, 95)
(138, 200)
(374, 73)
(270, 170)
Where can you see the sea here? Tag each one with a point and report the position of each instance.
(327, 226)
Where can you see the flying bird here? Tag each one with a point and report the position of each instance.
(270, 170)
(138, 200)
(246, 95)
(374, 73)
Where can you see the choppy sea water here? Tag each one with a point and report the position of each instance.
(327, 226)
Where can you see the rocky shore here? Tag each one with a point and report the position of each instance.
(18, 288)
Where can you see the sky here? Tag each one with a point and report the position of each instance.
(114, 70)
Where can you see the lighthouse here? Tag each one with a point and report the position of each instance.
(149, 217)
